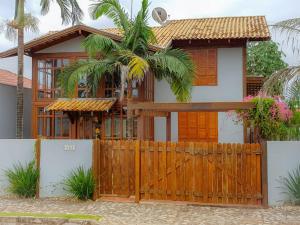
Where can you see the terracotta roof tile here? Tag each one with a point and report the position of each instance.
(9, 78)
(81, 104)
(248, 27)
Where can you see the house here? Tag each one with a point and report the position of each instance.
(8, 83)
(217, 46)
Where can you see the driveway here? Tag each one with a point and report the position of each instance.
(156, 213)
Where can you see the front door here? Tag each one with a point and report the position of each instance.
(87, 126)
(198, 126)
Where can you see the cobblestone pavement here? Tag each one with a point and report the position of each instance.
(156, 213)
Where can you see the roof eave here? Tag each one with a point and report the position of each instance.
(61, 34)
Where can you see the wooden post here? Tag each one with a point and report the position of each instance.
(38, 164)
(168, 127)
(140, 127)
(264, 175)
(137, 171)
(96, 167)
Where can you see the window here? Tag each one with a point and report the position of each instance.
(52, 124)
(206, 66)
(48, 71)
(113, 86)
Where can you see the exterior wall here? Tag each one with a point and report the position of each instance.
(229, 88)
(282, 157)
(8, 112)
(13, 152)
(66, 155)
(73, 45)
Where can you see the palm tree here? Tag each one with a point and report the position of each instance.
(70, 12)
(131, 58)
(285, 82)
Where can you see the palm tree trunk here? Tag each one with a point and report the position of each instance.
(20, 94)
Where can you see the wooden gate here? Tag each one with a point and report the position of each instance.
(186, 171)
(113, 165)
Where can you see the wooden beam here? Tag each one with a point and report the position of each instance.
(190, 107)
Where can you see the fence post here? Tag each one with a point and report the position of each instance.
(38, 164)
(95, 167)
(137, 170)
(264, 171)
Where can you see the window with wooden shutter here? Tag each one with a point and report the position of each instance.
(198, 126)
(205, 61)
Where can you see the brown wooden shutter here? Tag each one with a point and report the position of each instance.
(205, 61)
(198, 126)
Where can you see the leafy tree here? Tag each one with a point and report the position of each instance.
(70, 12)
(264, 58)
(131, 59)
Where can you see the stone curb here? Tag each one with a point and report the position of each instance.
(43, 221)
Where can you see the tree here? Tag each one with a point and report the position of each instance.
(131, 59)
(70, 12)
(264, 58)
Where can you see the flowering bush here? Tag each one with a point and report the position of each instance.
(273, 117)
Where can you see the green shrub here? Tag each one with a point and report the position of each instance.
(291, 186)
(81, 183)
(23, 180)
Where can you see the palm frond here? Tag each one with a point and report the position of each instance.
(113, 10)
(9, 27)
(138, 68)
(70, 10)
(281, 81)
(177, 68)
(291, 28)
(70, 75)
(96, 44)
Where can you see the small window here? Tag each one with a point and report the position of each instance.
(205, 61)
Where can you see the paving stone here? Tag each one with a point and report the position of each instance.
(115, 213)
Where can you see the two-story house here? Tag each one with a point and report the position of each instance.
(217, 46)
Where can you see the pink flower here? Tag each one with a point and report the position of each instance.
(248, 98)
(284, 111)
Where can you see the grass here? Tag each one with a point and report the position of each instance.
(54, 215)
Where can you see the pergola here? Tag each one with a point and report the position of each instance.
(150, 109)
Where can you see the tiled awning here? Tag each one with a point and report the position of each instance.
(82, 104)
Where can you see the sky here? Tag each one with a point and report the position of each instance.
(274, 10)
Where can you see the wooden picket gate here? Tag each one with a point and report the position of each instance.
(194, 172)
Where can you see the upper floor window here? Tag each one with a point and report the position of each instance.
(48, 71)
(113, 88)
(206, 66)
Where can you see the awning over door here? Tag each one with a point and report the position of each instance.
(82, 104)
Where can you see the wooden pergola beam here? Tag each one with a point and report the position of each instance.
(190, 107)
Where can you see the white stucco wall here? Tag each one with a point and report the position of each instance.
(13, 152)
(229, 88)
(58, 159)
(8, 112)
(283, 157)
(73, 45)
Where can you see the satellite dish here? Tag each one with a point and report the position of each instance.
(160, 15)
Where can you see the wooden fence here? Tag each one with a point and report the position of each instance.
(195, 172)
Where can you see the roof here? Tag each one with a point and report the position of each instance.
(55, 37)
(11, 79)
(82, 104)
(252, 28)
